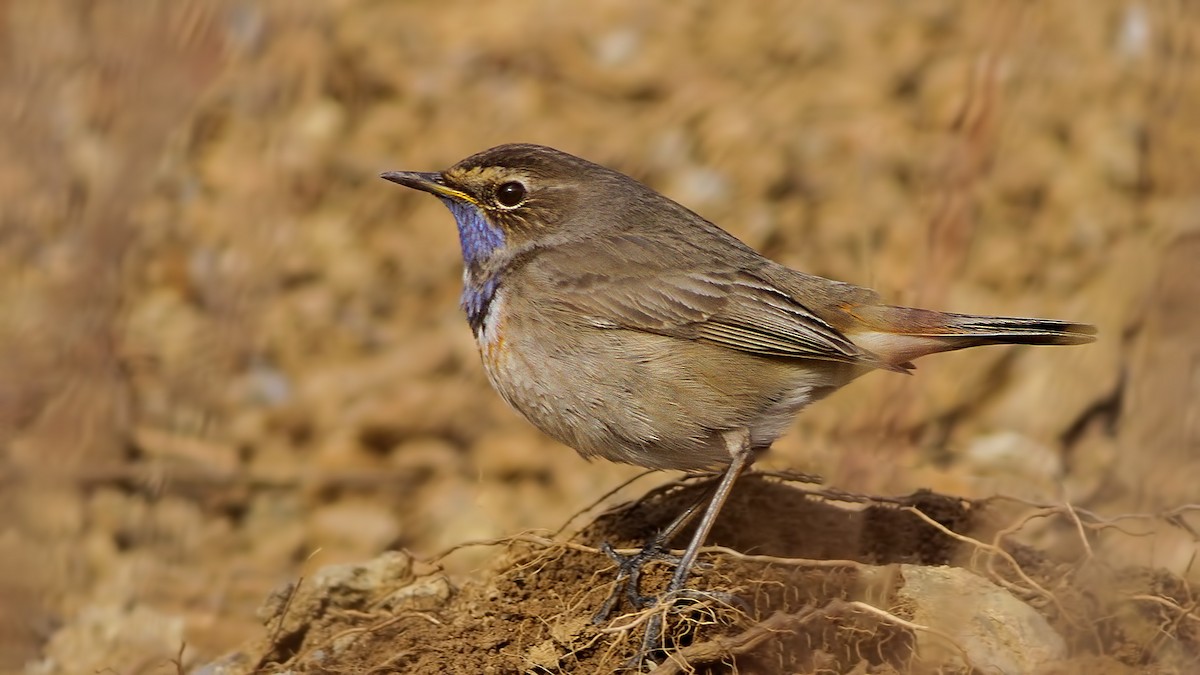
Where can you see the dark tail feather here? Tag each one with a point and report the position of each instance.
(899, 334)
(999, 330)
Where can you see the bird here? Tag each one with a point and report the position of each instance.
(630, 328)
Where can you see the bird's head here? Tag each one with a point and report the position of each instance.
(510, 197)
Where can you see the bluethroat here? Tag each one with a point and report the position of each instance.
(630, 328)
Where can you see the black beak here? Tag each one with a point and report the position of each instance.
(433, 183)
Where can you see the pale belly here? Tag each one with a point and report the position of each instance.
(644, 399)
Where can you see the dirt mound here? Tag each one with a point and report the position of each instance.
(802, 580)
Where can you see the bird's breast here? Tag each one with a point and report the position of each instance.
(487, 323)
(478, 294)
(508, 368)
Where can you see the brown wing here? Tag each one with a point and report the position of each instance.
(683, 290)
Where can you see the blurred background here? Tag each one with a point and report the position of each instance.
(230, 354)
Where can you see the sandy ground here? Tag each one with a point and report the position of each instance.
(231, 358)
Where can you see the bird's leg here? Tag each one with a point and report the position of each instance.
(629, 567)
(741, 454)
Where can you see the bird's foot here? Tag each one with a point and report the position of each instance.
(629, 577)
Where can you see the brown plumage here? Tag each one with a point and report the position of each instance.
(635, 330)
(630, 328)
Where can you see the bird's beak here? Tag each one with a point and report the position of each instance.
(433, 183)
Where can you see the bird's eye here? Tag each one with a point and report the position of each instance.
(510, 194)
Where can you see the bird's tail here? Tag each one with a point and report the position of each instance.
(899, 334)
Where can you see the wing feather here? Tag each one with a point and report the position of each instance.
(637, 282)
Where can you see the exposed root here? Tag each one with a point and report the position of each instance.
(723, 648)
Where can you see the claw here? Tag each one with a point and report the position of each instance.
(629, 577)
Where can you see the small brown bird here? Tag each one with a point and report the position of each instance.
(628, 327)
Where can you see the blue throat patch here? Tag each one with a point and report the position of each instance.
(478, 237)
(479, 240)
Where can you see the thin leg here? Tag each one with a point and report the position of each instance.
(741, 456)
(739, 449)
(629, 568)
(665, 535)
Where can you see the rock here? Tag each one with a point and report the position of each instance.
(997, 632)
(103, 636)
(353, 528)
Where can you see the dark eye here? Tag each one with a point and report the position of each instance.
(510, 194)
